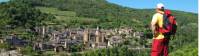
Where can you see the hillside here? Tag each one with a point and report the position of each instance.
(97, 13)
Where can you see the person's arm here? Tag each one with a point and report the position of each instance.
(153, 24)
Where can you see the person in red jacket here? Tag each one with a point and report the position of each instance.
(160, 41)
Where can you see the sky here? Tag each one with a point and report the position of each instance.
(3, 0)
(181, 5)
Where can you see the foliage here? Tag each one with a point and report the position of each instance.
(29, 51)
(4, 46)
(115, 51)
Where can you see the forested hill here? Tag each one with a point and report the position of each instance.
(22, 14)
(108, 12)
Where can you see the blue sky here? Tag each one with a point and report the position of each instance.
(3, 0)
(181, 5)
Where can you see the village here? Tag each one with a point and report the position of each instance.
(89, 38)
(75, 39)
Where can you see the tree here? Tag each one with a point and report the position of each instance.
(22, 14)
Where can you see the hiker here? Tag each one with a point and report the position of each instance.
(163, 25)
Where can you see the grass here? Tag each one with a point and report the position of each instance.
(57, 12)
(186, 50)
(68, 18)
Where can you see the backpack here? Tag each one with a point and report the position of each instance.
(169, 24)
